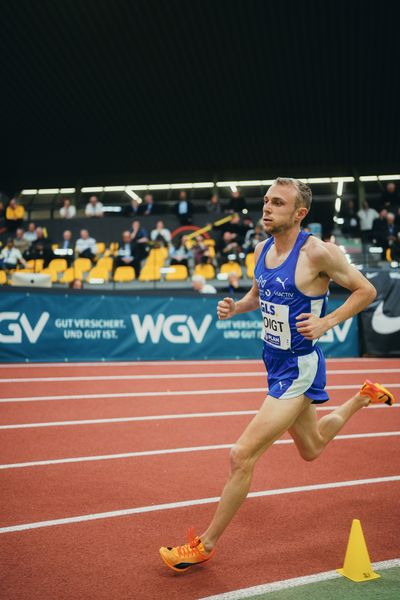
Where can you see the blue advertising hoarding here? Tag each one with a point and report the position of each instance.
(51, 327)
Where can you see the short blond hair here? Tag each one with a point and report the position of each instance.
(304, 194)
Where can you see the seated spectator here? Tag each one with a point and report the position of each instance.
(392, 229)
(126, 254)
(76, 284)
(67, 246)
(41, 237)
(237, 203)
(213, 205)
(253, 237)
(161, 234)
(148, 206)
(40, 251)
(30, 235)
(85, 246)
(20, 242)
(380, 230)
(132, 210)
(366, 217)
(350, 218)
(200, 251)
(67, 211)
(180, 254)
(228, 247)
(199, 285)
(15, 214)
(140, 239)
(94, 208)
(11, 256)
(184, 209)
(395, 248)
(390, 197)
(234, 286)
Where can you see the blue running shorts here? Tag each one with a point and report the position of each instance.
(289, 375)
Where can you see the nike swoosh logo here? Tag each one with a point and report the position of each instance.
(383, 324)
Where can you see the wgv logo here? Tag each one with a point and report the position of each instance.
(21, 324)
(177, 329)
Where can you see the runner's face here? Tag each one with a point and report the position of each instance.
(279, 210)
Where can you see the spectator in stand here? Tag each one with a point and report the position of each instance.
(200, 251)
(67, 211)
(85, 246)
(380, 231)
(366, 217)
(199, 285)
(15, 214)
(161, 234)
(140, 239)
(395, 248)
(237, 202)
(20, 242)
(76, 284)
(126, 254)
(11, 256)
(253, 237)
(184, 209)
(390, 197)
(148, 206)
(41, 237)
(180, 254)
(40, 251)
(228, 247)
(234, 286)
(392, 229)
(30, 235)
(67, 246)
(350, 218)
(213, 205)
(94, 207)
(132, 210)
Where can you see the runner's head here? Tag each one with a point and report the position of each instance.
(286, 203)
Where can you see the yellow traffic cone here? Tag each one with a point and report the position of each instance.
(357, 565)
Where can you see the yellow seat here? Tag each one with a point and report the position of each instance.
(100, 248)
(82, 264)
(157, 256)
(3, 277)
(35, 265)
(54, 247)
(207, 271)
(58, 265)
(209, 242)
(106, 262)
(177, 273)
(52, 274)
(232, 267)
(70, 274)
(150, 272)
(124, 274)
(388, 255)
(113, 247)
(249, 262)
(98, 275)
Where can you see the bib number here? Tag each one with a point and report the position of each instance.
(276, 324)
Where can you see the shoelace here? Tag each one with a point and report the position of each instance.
(192, 547)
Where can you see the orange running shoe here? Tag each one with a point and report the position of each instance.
(376, 393)
(181, 558)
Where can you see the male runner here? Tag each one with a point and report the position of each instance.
(291, 279)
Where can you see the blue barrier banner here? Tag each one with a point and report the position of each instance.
(72, 327)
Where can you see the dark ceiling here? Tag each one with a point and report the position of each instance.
(132, 91)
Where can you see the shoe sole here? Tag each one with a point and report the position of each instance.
(384, 393)
(185, 568)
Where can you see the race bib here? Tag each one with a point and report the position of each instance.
(276, 324)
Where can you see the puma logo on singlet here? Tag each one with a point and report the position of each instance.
(279, 280)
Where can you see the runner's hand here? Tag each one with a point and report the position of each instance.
(226, 308)
(310, 326)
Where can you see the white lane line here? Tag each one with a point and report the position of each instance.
(78, 459)
(230, 413)
(164, 393)
(183, 376)
(173, 505)
(285, 584)
(141, 363)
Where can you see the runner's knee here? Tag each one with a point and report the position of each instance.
(241, 458)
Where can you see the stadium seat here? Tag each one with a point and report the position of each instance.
(35, 265)
(53, 274)
(82, 264)
(177, 273)
(150, 272)
(207, 271)
(70, 274)
(231, 267)
(388, 255)
(58, 265)
(113, 248)
(98, 275)
(157, 256)
(105, 262)
(100, 248)
(249, 262)
(3, 277)
(124, 274)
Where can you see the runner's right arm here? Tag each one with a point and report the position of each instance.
(227, 307)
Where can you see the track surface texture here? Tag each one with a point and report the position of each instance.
(103, 463)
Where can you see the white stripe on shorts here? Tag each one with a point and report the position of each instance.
(308, 367)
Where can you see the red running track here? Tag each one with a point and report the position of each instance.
(272, 538)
